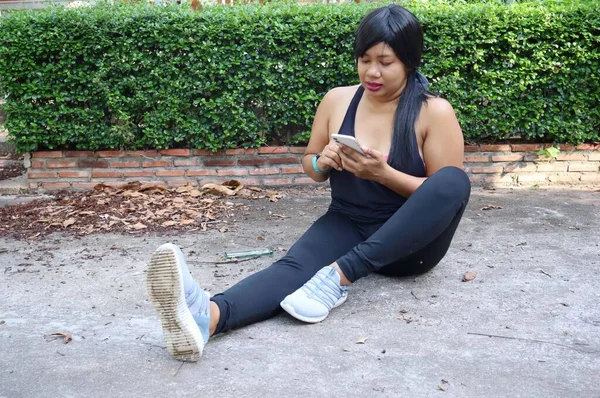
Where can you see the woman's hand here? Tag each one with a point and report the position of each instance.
(330, 157)
(370, 166)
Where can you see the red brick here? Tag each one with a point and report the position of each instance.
(156, 163)
(73, 174)
(552, 166)
(151, 153)
(533, 177)
(106, 174)
(186, 162)
(485, 170)
(175, 152)
(571, 156)
(304, 180)
(298, 149)
(526, 147)
(60, 164)
(111, 154)
(583, 167)
(241, 151)
(495, 148)
(41, 174)
(204, 152)
(588, 147)
(590, 177)
(273, 149)
(564, 177)
(277, 181)
(201, 173)
(232, 172)
(87, 186)
(219, 162)
(566, 147)
(79, 154)
(34, 185)
(55, 185)
(126, 164)
(170, 173)
(267, 171)
(471, 148)
(37, 164)
(47, 154)
(92, 163)
(252, 162)
(181, 183)
(286, 160)
(477, 159)
(521, 167)
(292, 170)
(507, 158)
(138, 173)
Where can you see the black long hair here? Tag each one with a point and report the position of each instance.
(400, 29)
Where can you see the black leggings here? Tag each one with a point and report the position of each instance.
(411, 242)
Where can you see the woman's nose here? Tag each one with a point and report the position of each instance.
(373, 71)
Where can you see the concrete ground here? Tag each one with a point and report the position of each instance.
(536, 292)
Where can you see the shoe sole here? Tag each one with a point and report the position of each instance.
(165, 289)
(290, 310)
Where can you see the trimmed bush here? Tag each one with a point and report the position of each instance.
(133, 77)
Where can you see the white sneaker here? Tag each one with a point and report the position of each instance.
(183, 307)
(317, 297)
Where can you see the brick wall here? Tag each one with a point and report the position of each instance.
(493, 165)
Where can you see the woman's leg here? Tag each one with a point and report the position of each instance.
(257, 297)
(431, 213)
(426, 258)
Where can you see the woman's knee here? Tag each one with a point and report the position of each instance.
(452, 182)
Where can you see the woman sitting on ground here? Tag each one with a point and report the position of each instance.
(394, 209)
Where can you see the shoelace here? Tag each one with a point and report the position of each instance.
(324, 289)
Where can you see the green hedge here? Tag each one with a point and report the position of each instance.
(134, 77)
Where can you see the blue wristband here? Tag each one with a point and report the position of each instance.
(316, 168)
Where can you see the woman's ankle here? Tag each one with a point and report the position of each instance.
(215, 316)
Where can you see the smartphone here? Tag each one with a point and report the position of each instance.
(349, 141)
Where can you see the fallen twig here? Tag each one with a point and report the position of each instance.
(234, 261)
(528, 340)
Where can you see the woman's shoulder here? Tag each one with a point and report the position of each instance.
(340, 93)
(437, 107)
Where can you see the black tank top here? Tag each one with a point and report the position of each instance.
(365, 200)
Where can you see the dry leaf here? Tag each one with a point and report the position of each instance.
(223, 229)
(194, 193)
(169, 223)
(66, 336)
(260, 238)
(469, 276)
(68, 222)
(491, 207)
(138, 226)
(361, 341)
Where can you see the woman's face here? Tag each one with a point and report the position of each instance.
(381, 72)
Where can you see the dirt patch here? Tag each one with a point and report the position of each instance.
(133, 208)
(11, 170)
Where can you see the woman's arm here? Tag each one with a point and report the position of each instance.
(319, 141)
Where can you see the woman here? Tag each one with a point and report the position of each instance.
(394, 209)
